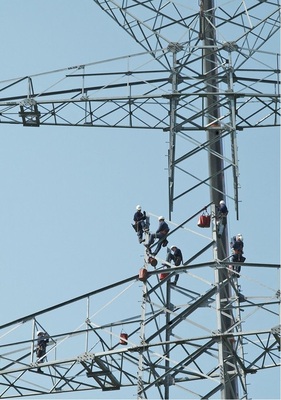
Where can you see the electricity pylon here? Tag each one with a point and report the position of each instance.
(207, 80)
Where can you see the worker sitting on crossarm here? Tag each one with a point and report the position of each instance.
(140, 223)
(161, 234)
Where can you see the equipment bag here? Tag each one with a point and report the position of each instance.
(204, 220)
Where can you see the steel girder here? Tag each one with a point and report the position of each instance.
(170, 93)
(86, 352)
(140, 102)
(248, 97)
(248, 72)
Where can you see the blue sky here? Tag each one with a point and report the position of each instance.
(68, 194)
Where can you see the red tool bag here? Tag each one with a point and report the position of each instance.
(143, 274)
(152, 261)
(204, 220)
(123, 338)
(163, 275)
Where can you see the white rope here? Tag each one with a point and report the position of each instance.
(113, 299)
(87, 322)
(11, 330)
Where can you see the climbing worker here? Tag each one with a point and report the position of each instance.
(43, 339)
(175, 255)
(140, 223)
(222, 212)
(237, 246)
(161, 234)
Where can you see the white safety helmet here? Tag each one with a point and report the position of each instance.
(173, 246)
(239, 236)
(222, 202)
(40, 333)
(138, 207)
(161, 218)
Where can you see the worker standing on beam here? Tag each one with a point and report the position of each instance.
(222, 212)
(237, 246)
(43, 339)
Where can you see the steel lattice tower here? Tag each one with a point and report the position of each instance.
(207, 81)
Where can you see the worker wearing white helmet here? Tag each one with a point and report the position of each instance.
(222, 212)
(140, 223)
(161, 234)
(222, 209)
(42, 341)
(237, 246)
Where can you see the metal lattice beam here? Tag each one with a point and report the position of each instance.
(209, 76)
(105, 364)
